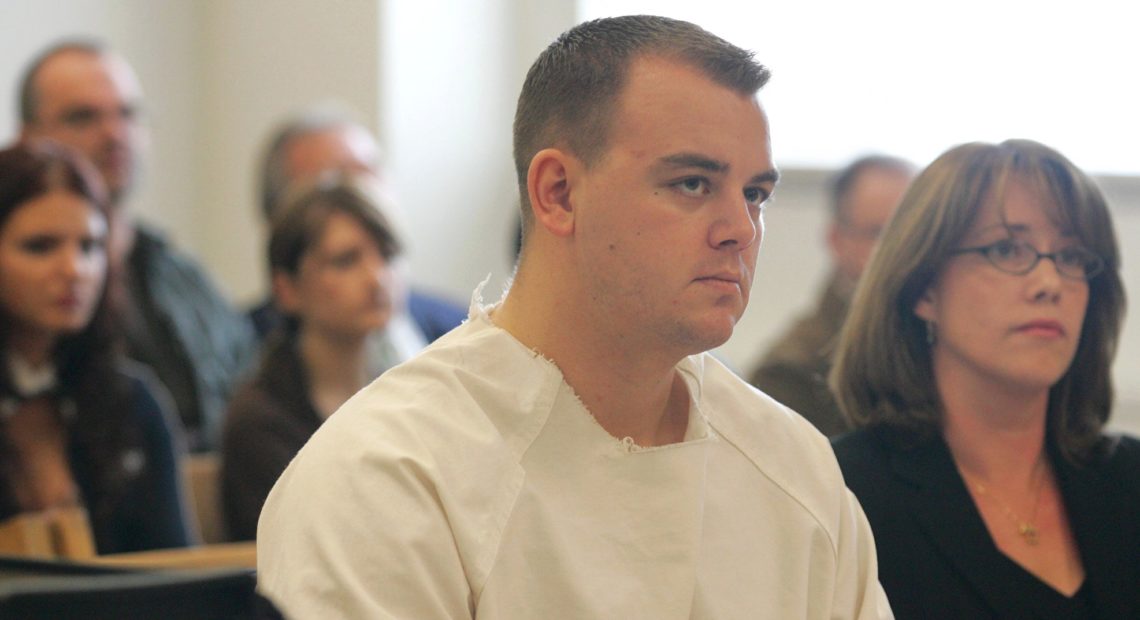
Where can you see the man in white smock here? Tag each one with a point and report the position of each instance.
(571, 451)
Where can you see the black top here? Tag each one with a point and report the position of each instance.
(269, 420)
(937, 559)
(150, 512)
(181, 326)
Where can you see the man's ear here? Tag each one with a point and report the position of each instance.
(548, 182)
(925, 308)
(285, 293)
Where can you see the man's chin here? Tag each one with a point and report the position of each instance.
(708, 335)
(117, 192)
(118, 179)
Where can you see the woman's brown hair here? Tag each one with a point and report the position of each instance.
(882, 372)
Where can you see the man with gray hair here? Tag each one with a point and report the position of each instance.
(81, 94)
(573, 451)
(794, 371)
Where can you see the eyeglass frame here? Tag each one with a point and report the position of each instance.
(1094, 269)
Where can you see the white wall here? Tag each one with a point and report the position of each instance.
(263, 60)
(437, 79)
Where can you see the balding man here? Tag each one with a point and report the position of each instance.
(81, 94)
(794, 371)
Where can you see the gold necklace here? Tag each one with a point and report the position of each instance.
(1025, 527)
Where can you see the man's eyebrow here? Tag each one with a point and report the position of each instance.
(772, 176)
(694, 160)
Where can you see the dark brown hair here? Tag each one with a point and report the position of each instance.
(99, 433)
(299, 223)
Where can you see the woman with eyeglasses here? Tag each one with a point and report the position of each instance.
(79, 425)
(976, 364)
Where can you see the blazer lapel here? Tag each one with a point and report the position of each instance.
(946, 514)
(1097, 517)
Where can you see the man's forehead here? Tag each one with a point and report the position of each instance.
(337, 147)
(674, 105)
(72, 75)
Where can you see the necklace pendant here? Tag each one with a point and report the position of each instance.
(1028, 532)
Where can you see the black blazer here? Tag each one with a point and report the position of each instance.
(936, 558)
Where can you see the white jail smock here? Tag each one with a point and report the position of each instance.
(470, 482)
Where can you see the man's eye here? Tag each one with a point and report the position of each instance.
(79, 118)
(693, 186)
(755, 196)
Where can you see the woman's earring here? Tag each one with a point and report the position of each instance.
(931, 335)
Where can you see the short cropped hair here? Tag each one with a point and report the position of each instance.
(845, 179)
(883, 371)
(274, 179)
(570, 92)
(28, 103)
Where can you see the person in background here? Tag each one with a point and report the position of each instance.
(81, 94)
(330, 254)
(322, 141)
(79, 425)
(794, 371)
(977, 363)
(573, 451)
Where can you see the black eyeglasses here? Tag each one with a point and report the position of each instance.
(1019, 258)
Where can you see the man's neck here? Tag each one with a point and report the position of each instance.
(631, 392)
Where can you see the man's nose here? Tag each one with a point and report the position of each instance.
(737, 224)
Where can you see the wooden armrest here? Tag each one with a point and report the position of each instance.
(27, 534)
(223, 555)
(55, 533)
(71, 534)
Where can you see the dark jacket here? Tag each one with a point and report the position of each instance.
(269, 420)
(794, 371)
(179, 325)
(937, 559)
(150, 511)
